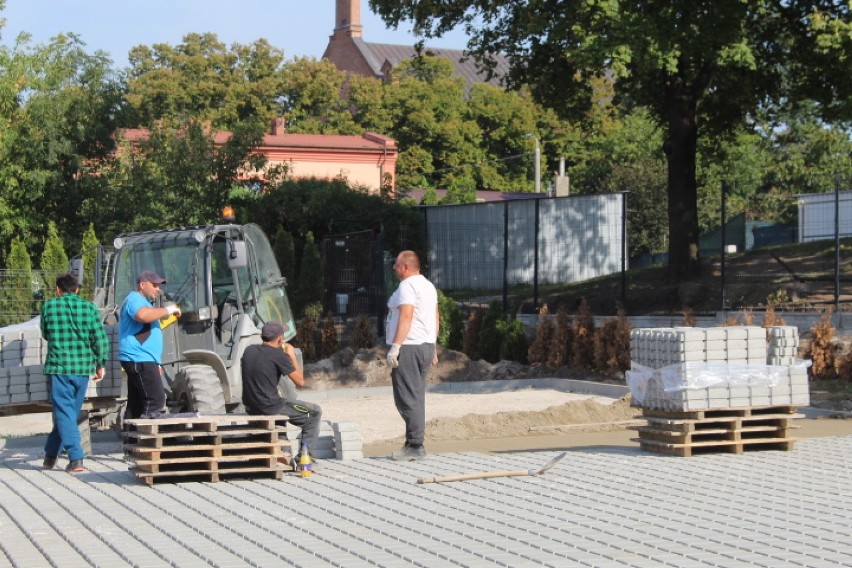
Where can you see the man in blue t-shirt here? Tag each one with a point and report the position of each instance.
(140, 346)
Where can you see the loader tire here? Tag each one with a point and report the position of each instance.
(200, 391)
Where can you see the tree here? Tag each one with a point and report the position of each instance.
(201, 79)
(56, 120)
(285, 253)
(16, 295)
(311, 280)
(698, 66)
(90, 249)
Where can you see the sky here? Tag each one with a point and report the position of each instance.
(298, 27)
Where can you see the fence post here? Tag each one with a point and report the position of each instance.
(624, 249)
(724, 214)
(535, 261)
(505, 258)
(837, 243)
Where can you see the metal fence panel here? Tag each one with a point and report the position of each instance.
(578, 238)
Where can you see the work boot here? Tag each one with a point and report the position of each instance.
(75, 466)
(409, 453)
(49, 462)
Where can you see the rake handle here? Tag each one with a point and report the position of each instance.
(480, 475)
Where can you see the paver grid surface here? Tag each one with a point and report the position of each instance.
(601, 507)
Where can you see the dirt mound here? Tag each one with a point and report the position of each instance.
(369, 368)
(589, 414)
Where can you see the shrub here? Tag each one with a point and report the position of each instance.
(821, 352)
(844, 367)
(561, 341)
(612, 344)
(583, 345)
(330, 337)
(489, 333)
(470, 340)
(16, 294)
(452, 323)
(513, 341)
(770, 318)
(689, 317)
(537, 353)
(308, 326)
(363, 337)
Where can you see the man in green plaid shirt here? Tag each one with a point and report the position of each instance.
(77, 348)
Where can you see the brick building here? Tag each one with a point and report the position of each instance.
(349, 52)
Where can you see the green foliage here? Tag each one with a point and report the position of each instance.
(452, 323)
(284, 248)
(54, 260)
(203, 80)
(325, 207)
(311, 280)
(174, 177)
(513, 341)
(307, 331)
(91, 246)
(16, 294)
(490, 336)
(57, 105)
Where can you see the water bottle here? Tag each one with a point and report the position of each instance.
(306, 467)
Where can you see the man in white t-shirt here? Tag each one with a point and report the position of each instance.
(412, 333)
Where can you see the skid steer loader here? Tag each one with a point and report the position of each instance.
(227, 283)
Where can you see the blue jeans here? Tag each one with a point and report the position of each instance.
(66, 394)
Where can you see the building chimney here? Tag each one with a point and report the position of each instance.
(279, 125)
(347, 19)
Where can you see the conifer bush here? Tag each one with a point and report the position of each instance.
(537, 354)
(561, 342)
(364, 336)
(470, 343)
(821, 351)
(308, 327)
(583, 351)
(330, 337)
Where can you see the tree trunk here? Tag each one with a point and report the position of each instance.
(682, 188)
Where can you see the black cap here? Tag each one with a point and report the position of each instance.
(151, 276)
(271, 330)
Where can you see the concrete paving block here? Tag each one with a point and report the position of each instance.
(19, 398)
(740, 401)
(5, 398)
(761, 400)
(800, 399)
(351, 436)
(734, 333)
(18, 389)
(716, 333)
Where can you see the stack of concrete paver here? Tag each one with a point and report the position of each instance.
(720, 389)
(22, 379)
(340, 440)
(695, 369)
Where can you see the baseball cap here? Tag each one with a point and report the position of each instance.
(151, 276)
(271, 330)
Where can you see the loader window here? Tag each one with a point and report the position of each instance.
(174, 255)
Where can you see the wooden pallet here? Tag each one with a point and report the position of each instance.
(208, 448)
(733, 430)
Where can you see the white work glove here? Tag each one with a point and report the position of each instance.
(173, 309)
(393, 355)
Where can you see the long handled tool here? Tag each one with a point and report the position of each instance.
(487, 474)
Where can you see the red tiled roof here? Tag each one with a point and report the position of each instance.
(367, 141)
